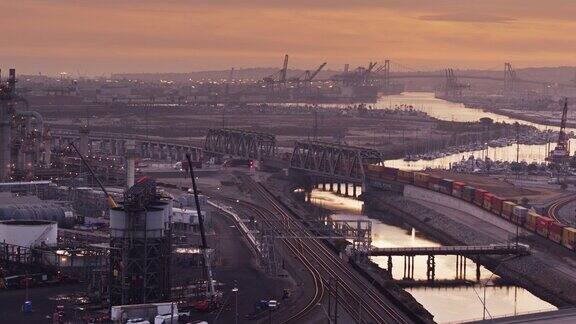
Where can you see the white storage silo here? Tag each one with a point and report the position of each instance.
(29, 233)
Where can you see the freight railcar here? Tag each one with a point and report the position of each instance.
(421, 179)
(468, 193)
(434, 183)
(445, 186)
(569, 237)
(529, 219)
(457, 189)
(479, 196)
(487, 203)
(508, 209)
(496, 205)
(519, 215)
(406, 176)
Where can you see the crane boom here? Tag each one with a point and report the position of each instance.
(562, 133)
(284, 69)
(204, 247)
(111, 201)
(315, 73)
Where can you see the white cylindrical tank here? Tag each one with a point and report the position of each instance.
(29, 233)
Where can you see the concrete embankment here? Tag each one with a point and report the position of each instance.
(531, 272)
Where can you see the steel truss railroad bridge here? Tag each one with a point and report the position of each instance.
(333, 161)
(240, 143)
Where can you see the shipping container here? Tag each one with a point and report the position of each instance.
(457, 188)
(388, 173)
(434, 183)
(543, 225)
(468, 193)
(497, 203)
(421, 179)
(555, 231)
(487, 204)
(406, 176)
(479, 196)
(531, 220)
(446, 186)
(569, 237)
(508, 209)
(519, 215)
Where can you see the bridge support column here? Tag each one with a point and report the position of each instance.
(339, 190)
(460, 267)
(408, 267)
(390, 265)
(430, 268)
(346, 189)
(477, 270)
(354, 193)
(331, 186)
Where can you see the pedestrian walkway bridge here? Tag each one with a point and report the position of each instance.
(493, 249)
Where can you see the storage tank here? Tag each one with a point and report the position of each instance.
(29, 233)
(49, 212)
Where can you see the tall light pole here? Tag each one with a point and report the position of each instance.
(235, 291)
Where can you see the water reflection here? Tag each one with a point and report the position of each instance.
(447, 304)
(446, 110)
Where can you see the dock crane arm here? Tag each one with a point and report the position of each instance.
(111, 201)
(315, 73)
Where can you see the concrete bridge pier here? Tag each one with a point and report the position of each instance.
(430, 268)
(408, 267)
(460, 267)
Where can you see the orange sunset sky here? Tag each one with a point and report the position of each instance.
(97, 37)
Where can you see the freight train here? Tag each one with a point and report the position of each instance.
(501, 207)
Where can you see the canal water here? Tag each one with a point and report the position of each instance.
(451, 304)
(446, 110)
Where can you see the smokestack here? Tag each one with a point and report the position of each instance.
(130, 162)
(84, 131)
(12, 80)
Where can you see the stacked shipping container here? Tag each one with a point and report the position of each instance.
(529, 219)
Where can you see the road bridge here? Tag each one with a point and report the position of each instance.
(240, 143)
(115, 144)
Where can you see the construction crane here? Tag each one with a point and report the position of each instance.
(111, 202)
(562, 150)
(210, 301)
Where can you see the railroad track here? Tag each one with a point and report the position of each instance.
(294, 247)
(557, 205)
(359, 298)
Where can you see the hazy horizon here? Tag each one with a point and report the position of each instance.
(99, 38)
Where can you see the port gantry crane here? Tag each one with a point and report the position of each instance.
(562, 150)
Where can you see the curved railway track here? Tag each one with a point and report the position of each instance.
(557, 205)
(294, 247)
(359, 298)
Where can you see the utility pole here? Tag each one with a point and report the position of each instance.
(517, 149)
